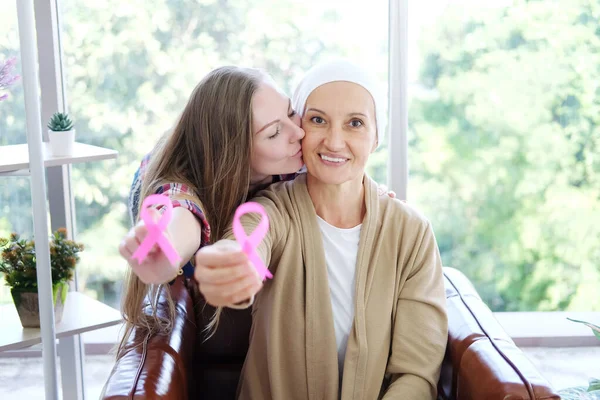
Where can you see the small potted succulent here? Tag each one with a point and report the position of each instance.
(18, 264)
(61, 134)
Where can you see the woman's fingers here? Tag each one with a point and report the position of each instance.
(224, 274)
(245, 293)
(131, 244)
(212, 257)
(381, 189)
(140, 231)
(124, 251)
(237, 288)
(231, 293)
(227, 245)
(219, 276)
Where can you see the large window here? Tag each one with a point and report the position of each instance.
(15, 195)
(130, 68)
(503, 121)
(505, 142)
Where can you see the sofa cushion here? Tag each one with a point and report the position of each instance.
(482, 361)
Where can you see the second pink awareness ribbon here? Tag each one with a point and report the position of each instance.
(156, 230)
(250, 243)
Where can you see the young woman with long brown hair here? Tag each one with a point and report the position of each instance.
(237, 134)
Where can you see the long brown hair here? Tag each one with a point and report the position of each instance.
(209, 150)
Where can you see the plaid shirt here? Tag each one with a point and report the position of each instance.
(172, 190)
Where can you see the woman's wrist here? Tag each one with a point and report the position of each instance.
(178, 272)
(185, 232)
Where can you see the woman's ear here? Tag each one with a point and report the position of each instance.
(375, 143)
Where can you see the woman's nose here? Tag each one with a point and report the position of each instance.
(334, 140)
(297, 133)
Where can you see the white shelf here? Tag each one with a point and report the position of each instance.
(14, 159)
(81, 314)
(549, 329)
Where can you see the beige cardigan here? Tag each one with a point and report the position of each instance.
(398, 339)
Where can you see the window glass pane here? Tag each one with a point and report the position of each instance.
(504, 144)
(12, 105)
(130, 68)
(15, 195)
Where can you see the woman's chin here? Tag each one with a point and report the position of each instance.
(295, 166)
(327, 178)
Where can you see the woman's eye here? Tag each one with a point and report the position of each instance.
(356, 123)
(317, 120)
(277, 132)
(292, 114)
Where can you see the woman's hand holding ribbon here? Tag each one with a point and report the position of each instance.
(225, 274)
(230, 272)
(147, 247)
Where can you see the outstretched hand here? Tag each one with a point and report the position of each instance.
(225, 275)
(156, 267)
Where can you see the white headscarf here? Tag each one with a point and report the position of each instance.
(335, 71)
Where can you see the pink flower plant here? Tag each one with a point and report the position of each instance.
(7, 77)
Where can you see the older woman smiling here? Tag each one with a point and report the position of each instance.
(356, 308)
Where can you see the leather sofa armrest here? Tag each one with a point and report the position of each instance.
(482, 361)
(156, 367)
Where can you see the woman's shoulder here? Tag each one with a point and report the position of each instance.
(282, 200)
(284, 187)
(403, 213)
(393, 207)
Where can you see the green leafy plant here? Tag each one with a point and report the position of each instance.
(594, 383)
(60, 122)
(18, 260)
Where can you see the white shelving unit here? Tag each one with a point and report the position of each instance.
(31, 159)
(81, 314)
(14, 159)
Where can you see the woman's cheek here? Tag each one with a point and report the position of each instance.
(275, 151)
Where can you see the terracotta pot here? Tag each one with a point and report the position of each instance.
(27, 304)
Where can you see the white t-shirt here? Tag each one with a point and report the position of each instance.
(341, 249)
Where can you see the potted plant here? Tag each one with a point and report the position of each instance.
(592, 392)
(18, 263)
(61, 134)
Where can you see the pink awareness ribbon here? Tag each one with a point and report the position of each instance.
(156, 230)
(250, 243)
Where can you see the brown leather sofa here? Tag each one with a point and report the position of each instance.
(481, 363)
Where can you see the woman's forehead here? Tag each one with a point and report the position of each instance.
(268, 103)
(268, 93)
(341, 96)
